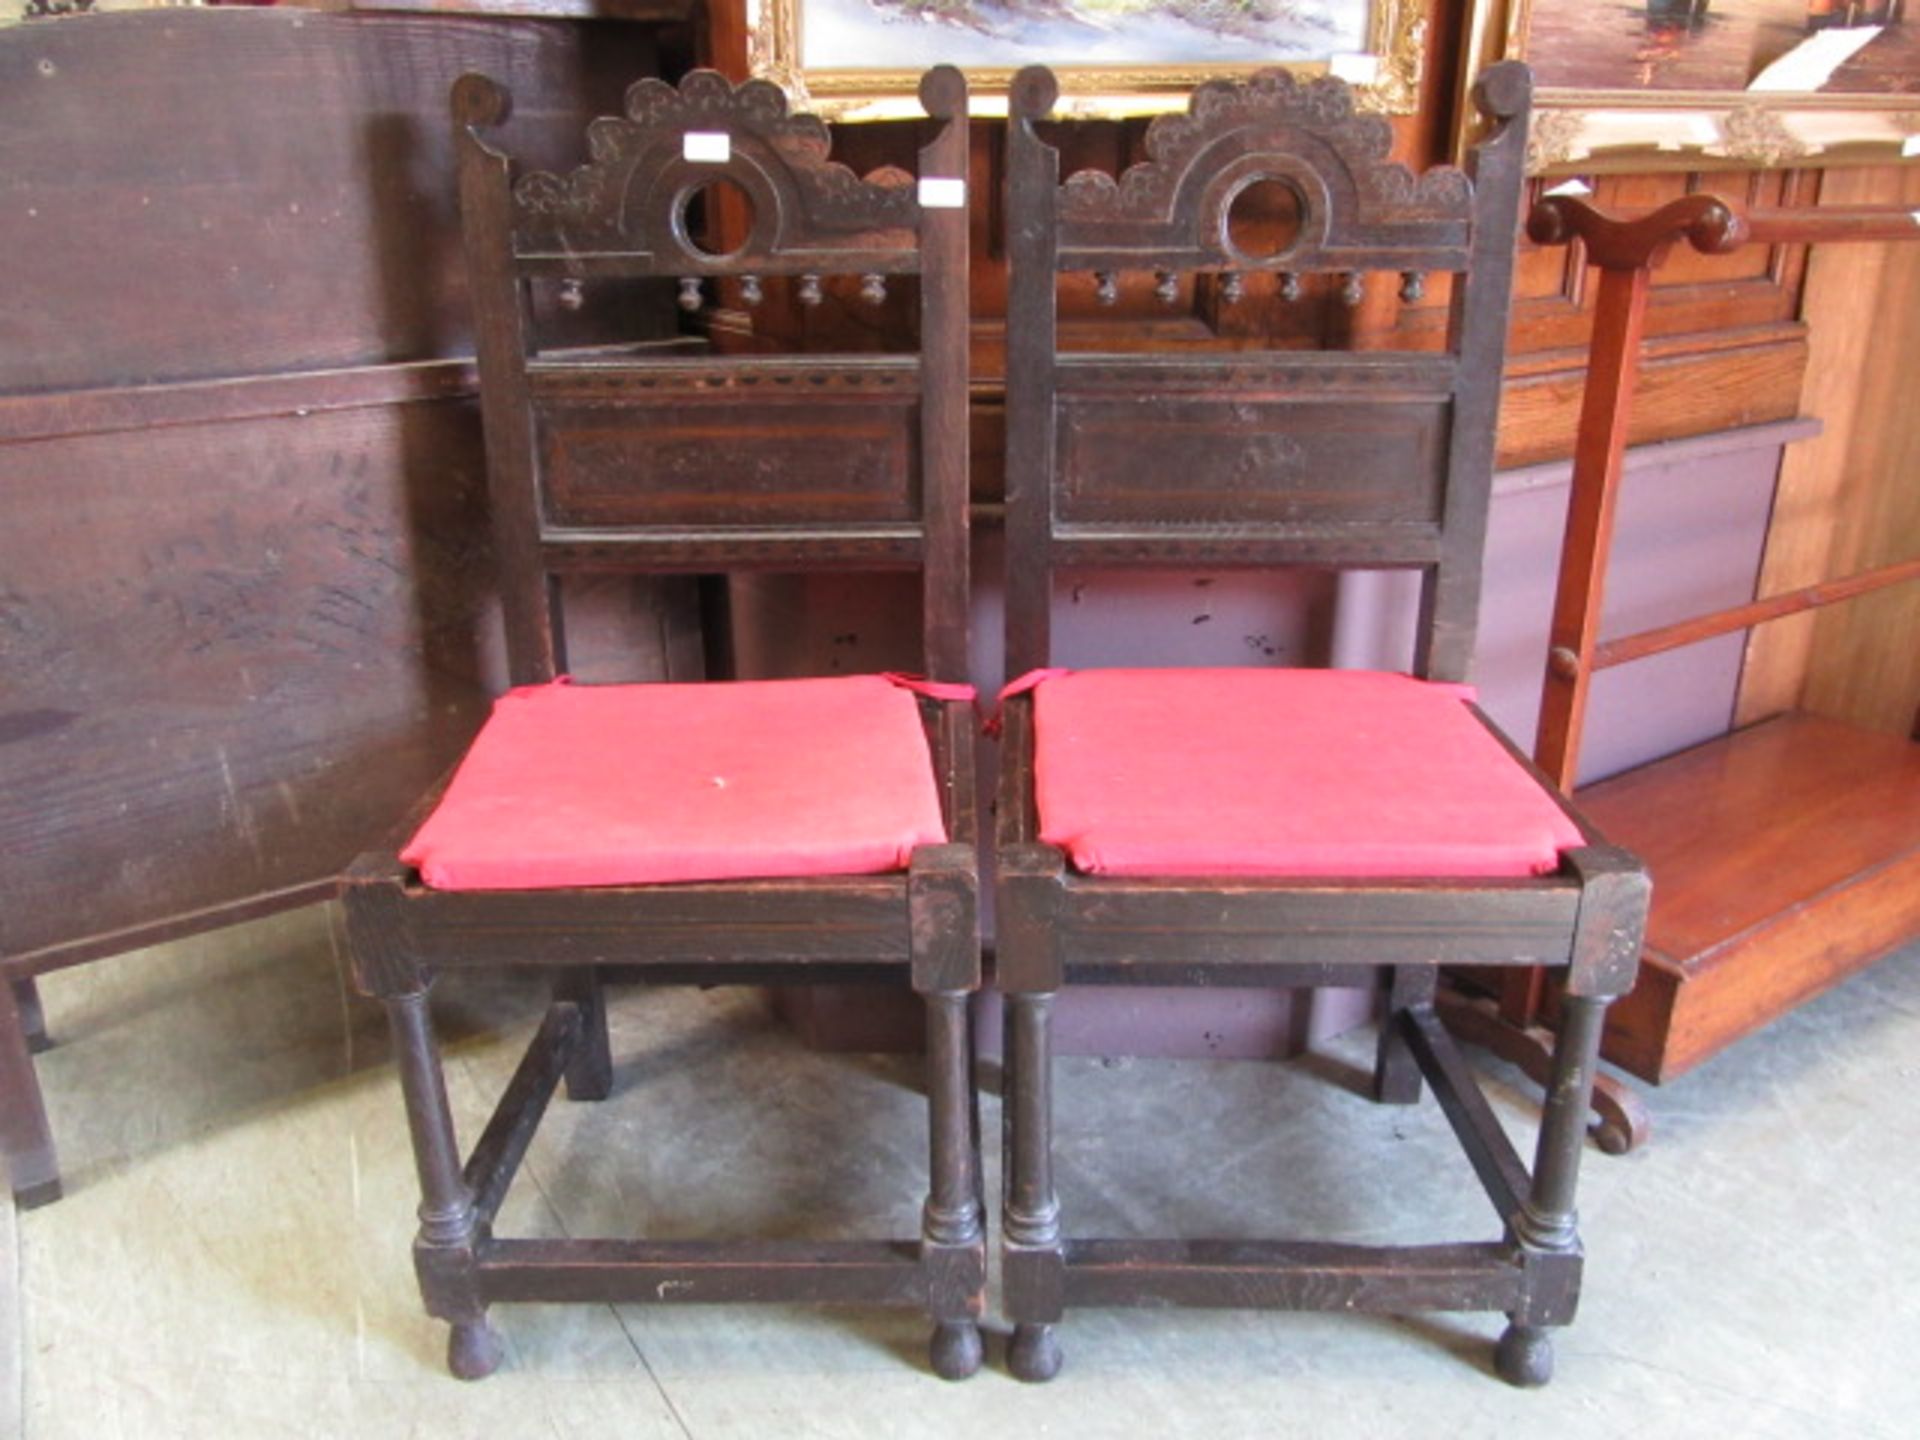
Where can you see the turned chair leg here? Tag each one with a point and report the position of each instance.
(1548, 1221)
(952, 1230)
(444, 1251)
(590, 1071)
(1396, 1074)
(1035, 1255)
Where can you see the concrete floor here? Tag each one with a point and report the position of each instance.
(232, 1259)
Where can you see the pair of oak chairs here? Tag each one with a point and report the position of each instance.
(1154, 827)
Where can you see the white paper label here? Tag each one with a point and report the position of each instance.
(1910, 146)
(1354, 69)
(942, 192)
(707, 147)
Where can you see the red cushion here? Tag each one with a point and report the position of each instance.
(1283, 772)
(630, 784)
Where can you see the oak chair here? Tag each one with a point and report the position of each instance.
(1283, 827)
(668, 461)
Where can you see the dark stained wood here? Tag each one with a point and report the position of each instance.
(1626, 252)
(680, 1272)
(1326, 456)
(1296, 1275)
(1116, 451)
(212, 627)
(503, 1144)
(33, 1167)
(1725, 344)
(699, 463)
(1621, 1119)
(660, 462)
(632, 10)
(1787, 857)
(793, 923)
(1692, 384)
(240, 521)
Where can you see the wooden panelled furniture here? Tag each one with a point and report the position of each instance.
(244, 612)
(1787, 854)
(1250, 459)
(613, 460)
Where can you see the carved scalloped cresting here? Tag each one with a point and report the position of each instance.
(1323, 107)
(587, 207)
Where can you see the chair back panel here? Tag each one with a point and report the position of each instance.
(1220, 456)
(1358, 210)
(1265, 444)
(791, 442)
(662, 458)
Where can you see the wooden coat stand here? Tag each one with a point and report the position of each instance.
(1735, 938)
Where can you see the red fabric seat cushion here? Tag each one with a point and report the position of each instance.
(570, 785)
(1283, 772)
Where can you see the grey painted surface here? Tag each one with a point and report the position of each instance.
(1689, 536)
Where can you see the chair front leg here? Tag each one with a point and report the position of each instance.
(444, 1253)
(953, 1238)
(1035, 1256)
(1548, 1221)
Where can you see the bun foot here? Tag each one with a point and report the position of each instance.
(955, 1350)
(474, 1350)
(1524, 1356)
(1034, 1353)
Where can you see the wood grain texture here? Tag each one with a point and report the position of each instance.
(208, 635)
(1843, 503)
(1724, 344)
(246, 577)
(280, 183)
(1350, 459)
(655, 463)
(1865, 665)
(1784, 858)
(1587, 547)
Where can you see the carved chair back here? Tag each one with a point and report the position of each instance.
(668, 460)
(1223, 457)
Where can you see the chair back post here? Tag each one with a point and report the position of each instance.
(944, 323)
(1033, 240)
(1213, 456)
(527, 591)
(1477, 333)
(673, 459)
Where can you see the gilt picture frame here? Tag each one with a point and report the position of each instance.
(1643, 85)
(862, 59)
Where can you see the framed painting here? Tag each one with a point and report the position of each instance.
(1708, 84)
(861, 59)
